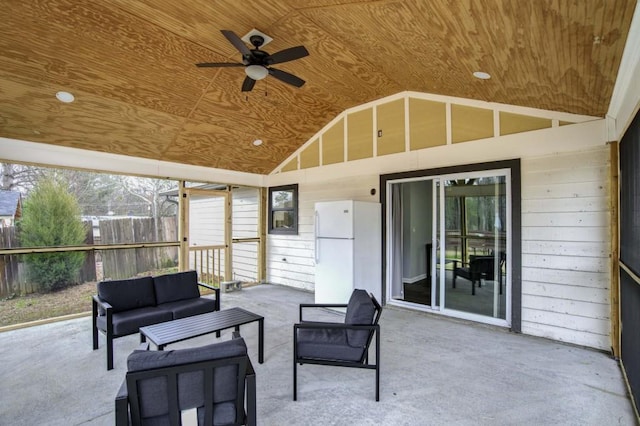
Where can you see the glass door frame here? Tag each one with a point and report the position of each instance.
(438, 276)
(439, 210)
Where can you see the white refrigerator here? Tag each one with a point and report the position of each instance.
(347, 250)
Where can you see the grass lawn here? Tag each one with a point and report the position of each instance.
(71, 300)
(32, 307)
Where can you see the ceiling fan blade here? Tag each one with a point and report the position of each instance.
(219, 64)
(247, 84)
(237, 42)
(287, 55)
(286, 77)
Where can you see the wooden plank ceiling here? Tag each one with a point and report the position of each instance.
(130, 64)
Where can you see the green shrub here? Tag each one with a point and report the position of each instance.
(51, 217)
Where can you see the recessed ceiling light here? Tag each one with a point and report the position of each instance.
(65, 97)
(257, 142)
(482, 75)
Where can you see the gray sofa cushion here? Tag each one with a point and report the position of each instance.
(187, 308)
(177, 286)
(124, 295)
(360, 311)
(129, 322)
(329, 344)
(153, 391)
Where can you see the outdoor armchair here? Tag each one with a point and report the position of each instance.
(340, 344)
(480, 268)
(216, 381)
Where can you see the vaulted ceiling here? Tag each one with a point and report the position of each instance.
(130, 65)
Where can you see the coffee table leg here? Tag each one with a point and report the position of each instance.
(261, 340)
(143, 338)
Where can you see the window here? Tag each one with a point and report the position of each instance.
(283, 209)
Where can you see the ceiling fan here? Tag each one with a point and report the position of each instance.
(258, 63)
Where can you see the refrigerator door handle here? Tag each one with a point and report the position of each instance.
(316, 253)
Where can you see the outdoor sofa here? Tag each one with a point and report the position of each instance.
(121, 307)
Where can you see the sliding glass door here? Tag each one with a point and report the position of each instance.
(448, 244)
(473, 239)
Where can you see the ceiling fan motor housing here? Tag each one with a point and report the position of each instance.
(256, 40)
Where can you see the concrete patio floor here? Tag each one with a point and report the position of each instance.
(435, 371)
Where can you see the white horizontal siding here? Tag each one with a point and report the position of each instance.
(565, 248)
(206, 227)
(245, 203)
(291, 259)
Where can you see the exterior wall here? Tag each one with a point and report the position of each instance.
(565, 221)
(244, 220)
(566, 247)
(290, 259)
(206, 225)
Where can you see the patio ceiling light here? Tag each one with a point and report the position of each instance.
(65, 97)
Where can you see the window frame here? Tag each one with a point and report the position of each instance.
(293, 230)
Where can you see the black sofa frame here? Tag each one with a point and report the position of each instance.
(97, 302)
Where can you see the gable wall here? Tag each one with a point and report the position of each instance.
(565, 221)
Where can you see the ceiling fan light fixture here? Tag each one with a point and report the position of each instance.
(256, 72)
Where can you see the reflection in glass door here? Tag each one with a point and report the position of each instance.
(473, 214)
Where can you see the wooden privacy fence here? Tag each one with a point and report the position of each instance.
(113, 264)
(126, 263)
(13, 269)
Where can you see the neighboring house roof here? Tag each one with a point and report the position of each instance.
(10, 204)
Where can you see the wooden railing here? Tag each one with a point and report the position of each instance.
(208, 261)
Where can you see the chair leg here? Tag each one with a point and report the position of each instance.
(295, 367)
(94, 312)
(378, 365)
(109, 352)
(295, 381)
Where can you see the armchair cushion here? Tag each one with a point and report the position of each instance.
(360, 311)
(177, 286)
(327, 344)
(124, 295)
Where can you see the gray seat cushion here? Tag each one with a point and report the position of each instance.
(153, 391)
(189, 307)
(360, 311)
(124, 295)
(177, 286)
(327, 344)
(129, 322)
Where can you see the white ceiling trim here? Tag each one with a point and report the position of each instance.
(625, 99)
(14, 150)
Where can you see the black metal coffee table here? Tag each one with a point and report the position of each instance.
(165, 333)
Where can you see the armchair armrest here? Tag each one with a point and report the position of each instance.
(122, 405)
(96, 304)
(217, 292)
(97, 301)
(320, 305)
